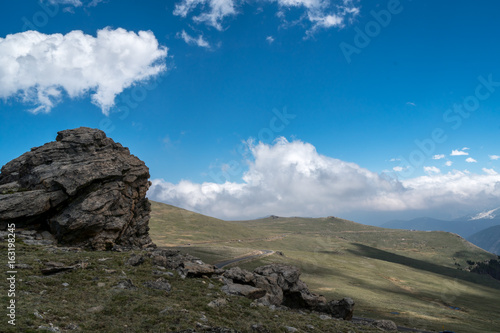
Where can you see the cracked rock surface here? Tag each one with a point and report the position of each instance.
(86, 189)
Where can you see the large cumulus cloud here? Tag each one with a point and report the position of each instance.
(40, 69)
(293, 179)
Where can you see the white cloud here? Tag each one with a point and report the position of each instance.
(395, 159)
(398, 168)
(470, 160)
(40, 68)
(494, 157)
(200, 41)
(75, 3)
(292, 179)
(218, 10)
(431, 169)
(449, 163)
(438, 157)
(459, 153)
(490, 172)
(319, 13)
(270, 39)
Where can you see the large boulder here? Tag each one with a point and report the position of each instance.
(86, 189)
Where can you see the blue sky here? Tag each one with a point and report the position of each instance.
(368, 110)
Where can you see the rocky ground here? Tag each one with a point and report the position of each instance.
(70, 289)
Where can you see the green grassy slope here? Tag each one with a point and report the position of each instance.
(86, 299)
(411, 277)
(172, 226)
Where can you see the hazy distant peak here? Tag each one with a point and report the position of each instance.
(485, 215)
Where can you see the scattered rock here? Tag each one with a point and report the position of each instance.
(84, 188)
(22, 266)
(166, 310)
(160, 284)
(208, 329)
(65, 284)
(52, 267)
(72, 327)
(50, 328)
(238, 275)
(95, 309)
(195, 269)
(291, 329)
(259, 328)
(41, 242)
(135, 260)
(325, 317)
(125, 284)
(386, 325)
(217, 303)
(340, 309)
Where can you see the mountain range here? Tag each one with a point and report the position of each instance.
(487, 239)
(482, 229)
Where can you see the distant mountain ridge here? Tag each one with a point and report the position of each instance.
(487, 239)
(465, 226)
(486, 215)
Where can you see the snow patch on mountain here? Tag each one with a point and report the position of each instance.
(489, 215)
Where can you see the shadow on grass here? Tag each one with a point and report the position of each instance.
(371, 252)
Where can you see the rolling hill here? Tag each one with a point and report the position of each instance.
(411, 277)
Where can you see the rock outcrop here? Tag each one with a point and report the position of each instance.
(279, 284)
(86, 189)
(185, 264)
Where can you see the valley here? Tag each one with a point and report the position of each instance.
(410, 277)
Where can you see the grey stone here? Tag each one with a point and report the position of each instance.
(243, 290)
(52, 267)
(85, 188)
(125, 284)
(135, 260)
(195, 269)
(282, 287)
(160, 284)
(95, 309)
(41, 242)
(341, 309)
(217, 303)
(386, 325)
(259, 328)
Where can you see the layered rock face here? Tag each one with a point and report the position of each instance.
(279, 284)
(86, 189)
